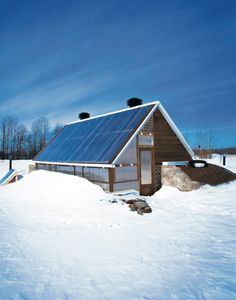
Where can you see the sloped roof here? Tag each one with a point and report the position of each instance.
(95, 140)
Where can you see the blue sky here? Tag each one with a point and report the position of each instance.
(58, 58)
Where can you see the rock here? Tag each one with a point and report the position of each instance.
(133, 207)
(140, 211)
(147, 209)
(176, 177)
(139, 205)
(129, 201)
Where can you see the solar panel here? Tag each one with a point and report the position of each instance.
(8, 176)
(95, 140)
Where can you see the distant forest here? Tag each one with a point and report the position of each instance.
(18, 142)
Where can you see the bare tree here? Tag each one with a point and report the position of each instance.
(205, 140)
(40, 132)
(56, 129)
(8, 128)
(210, 134)
(20, 141)
(17, 141)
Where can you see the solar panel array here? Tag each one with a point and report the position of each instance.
(95, 140)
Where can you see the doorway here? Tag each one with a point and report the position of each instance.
(146, 171)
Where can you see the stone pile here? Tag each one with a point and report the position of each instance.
(138, 205)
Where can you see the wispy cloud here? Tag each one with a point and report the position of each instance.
(58, 57)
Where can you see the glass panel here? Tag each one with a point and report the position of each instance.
(43, 167)
(65, 169)
(132, 185)
(125, 173)
(145, 139)
(78, 171)
(146, 166)
(93, 140)
(96, 174)
(53, 168)
(130, 154)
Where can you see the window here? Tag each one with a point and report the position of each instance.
(96, 174)
(126, 186)
(44, 167)
(145, 140)
(65, 169)
(146, 166)
(125, 173)
(78, 171)
(129, 155)
(53, 168)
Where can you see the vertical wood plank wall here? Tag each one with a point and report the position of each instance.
(168, 147)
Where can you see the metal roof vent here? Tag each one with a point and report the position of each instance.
(84, 115)
(134, 102)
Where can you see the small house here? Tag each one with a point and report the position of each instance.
(120, 150)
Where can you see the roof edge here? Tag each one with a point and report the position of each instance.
(49, 142)
(115, 112)
(159, 106)
(176, 130)
(157, 103)
(76, 164)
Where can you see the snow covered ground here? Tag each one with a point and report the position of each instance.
(218, 160)
(61, 238)
(20, 165)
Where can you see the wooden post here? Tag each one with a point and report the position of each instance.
(111, 179)
(10, 162)
(224, 159)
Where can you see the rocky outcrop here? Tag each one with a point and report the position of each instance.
(174, 176)
(188, 178)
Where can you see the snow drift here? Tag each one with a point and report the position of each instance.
(61, 238)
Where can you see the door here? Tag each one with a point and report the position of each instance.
(146, 173)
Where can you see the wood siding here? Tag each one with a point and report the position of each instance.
(167, 145)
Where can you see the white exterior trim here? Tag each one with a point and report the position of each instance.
(174, 163)
(112, 113)
(169, 121)
(157, 105)
(75, 164)
(176, 130)
(138, 129)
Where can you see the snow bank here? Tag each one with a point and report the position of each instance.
(20, 165)
(218, 160)
(61, 238)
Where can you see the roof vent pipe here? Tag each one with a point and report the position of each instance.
(84, 115)
(134, 102)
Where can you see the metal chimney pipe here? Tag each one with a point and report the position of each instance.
(84, 115)
(134, 102)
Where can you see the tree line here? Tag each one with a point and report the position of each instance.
(18, 142)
